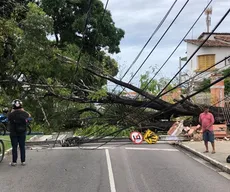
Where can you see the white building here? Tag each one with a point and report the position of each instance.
(216, 48)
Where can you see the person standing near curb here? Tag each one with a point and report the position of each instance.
(17, 122)
(207, 120)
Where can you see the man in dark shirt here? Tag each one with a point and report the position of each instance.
(17, 122)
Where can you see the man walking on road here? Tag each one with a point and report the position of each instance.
(17, 122)
(206, 120)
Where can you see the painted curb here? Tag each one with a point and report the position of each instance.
(210, 160)
(8, 151)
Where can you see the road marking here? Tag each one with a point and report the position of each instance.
(224, 174)
(205, 163)
(80, 147)
(201, 161)
(110, 170)
(151, 149)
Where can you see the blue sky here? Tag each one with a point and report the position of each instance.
(139, 18)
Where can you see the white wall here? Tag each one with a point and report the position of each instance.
(220, 52)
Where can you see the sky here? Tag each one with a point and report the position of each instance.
(139, 18)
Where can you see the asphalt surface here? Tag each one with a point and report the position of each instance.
(125, 168)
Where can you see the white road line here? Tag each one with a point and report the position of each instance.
(81, 147)
(110, 170)
(226, 175)
(151, 149)
(201, 161)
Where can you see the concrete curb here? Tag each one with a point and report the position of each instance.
(210, 160)
(8, 151)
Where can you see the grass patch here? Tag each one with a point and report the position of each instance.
(6, 140)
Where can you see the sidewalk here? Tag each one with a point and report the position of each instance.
(218, 159)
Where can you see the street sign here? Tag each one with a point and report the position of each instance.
(136, 137)
(150, 137)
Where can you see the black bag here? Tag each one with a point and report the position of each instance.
(228, 159)
(19, 125)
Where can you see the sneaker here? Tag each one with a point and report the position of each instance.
(13, 164)
(23, 163)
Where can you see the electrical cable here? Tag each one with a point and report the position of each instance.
(199, 74)
(154, 32)
(219, 62)
(203, 42)
(214, 29)
(84, 32)
(188, 97)
(169, 108)
(177, 46)
(156, 44)
(200, 46)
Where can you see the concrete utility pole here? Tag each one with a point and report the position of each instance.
(208, 12)
(179, 69)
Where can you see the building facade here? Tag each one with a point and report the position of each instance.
(216, 48)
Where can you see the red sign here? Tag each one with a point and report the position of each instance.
(136, 137)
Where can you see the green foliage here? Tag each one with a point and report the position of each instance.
(152, 85)
(34, 43)
(226, 81)
(69, 25)
(97, 94)
(204, 83)
(227, 86)
(27, 54)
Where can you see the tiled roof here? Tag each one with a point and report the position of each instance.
(208, 43)
(205, 33)
(225, 38)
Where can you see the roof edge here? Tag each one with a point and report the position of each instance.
(206, 33)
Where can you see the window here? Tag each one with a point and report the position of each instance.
(205, 61)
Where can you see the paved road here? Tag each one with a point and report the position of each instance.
(128, 168)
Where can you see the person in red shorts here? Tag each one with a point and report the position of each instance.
(207, 120)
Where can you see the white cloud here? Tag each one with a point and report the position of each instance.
(139, 18)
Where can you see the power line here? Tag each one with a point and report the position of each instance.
(99, 24)
(194, 52)
(193, 55)
(160, 94)
(176, 49)
(165, 110)
(195, 76)
(157, 43)
(188, 97)
(158, 40)
(84, 32)
(177, 46)
(139, 54)
(154, 32)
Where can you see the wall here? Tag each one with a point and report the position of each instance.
(217, 92)
(221, 53)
